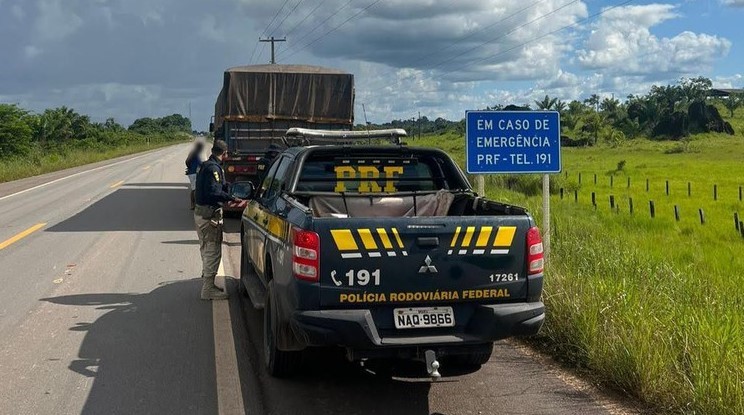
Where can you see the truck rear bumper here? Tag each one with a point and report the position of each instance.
(356, 329)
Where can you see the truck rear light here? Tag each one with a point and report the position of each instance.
(305, 254)
(535, 259)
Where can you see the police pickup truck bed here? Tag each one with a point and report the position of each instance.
(387, 252)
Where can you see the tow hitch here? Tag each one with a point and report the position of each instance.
(432, 365)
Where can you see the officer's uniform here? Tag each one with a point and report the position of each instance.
(211, 192)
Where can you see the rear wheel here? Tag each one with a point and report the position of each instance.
(278, 363)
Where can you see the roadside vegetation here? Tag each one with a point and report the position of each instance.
(650, 306)
(59, 138)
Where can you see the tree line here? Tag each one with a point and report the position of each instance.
(23, 132)
(669, 112)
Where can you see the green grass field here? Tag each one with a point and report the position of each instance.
(40, 163)
(648, 306)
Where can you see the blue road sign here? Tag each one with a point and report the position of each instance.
(513, 142)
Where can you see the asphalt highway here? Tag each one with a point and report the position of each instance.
(100, 314)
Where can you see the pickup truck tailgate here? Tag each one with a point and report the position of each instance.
(422, 261)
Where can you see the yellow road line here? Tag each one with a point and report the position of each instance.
(117, 184)
(21, 235)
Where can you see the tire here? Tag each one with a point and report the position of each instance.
(477, 357)
(278, 363)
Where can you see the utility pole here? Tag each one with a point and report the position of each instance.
(273, 40)
(419, 124)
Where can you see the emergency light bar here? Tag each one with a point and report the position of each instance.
(393, 134)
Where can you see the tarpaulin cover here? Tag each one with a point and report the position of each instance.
(435, 204)
(286, 92)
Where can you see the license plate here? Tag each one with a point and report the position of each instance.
(423, 317)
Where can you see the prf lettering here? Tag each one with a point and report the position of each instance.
(369, 177)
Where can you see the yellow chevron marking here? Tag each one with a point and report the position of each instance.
(367, 239)
(384, 238)
(454, 238)
(468, 236)
(397, 238)
(344, 240)
(484, 236)
(505, 236)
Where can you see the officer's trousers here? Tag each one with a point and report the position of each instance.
(210, 244)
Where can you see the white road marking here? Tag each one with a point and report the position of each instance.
(499, 251)
(229, 393)
(75, 175)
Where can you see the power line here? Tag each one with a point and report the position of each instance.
(286, 17)
(462, 39)
(305, 18)
(620, 4)
(336, 28)
(250, 61)
(504, 35)
(274, 18)
(319, 25)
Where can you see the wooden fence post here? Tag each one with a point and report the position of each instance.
(739, 193)
(612, 202)
(651, 208)
(576, 195)
(702, 216)
(628, 182)
(595, 178)
(689, 189)
(647, 185)
(736, 220)
(667, 187)
(630, 205)
(715, 192)
(561, 193)
(676, 213)
(611, 180)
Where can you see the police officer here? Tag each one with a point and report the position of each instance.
(265, 162)
(211, 193)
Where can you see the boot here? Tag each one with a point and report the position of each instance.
(193, 200)
(210, 291)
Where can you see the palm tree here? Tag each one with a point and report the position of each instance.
(593, 101)
(560, 106)
(546, 104)
(732, 102)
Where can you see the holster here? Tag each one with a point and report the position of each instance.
(208, 212)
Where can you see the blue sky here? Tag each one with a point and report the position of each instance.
(133, 58)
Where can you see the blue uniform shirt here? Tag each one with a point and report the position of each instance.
(211, 189)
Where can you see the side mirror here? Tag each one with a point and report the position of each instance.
(211, 127)
(242, 190)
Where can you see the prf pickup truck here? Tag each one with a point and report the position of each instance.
(385, 251)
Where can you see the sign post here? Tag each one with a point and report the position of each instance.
(515, 142)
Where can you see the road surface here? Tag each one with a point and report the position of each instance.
(99, 314)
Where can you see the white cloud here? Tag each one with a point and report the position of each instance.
(32, 51)
(621, 43)
(17, 11)
(733, 81)
(733, 3)
(55, 21)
